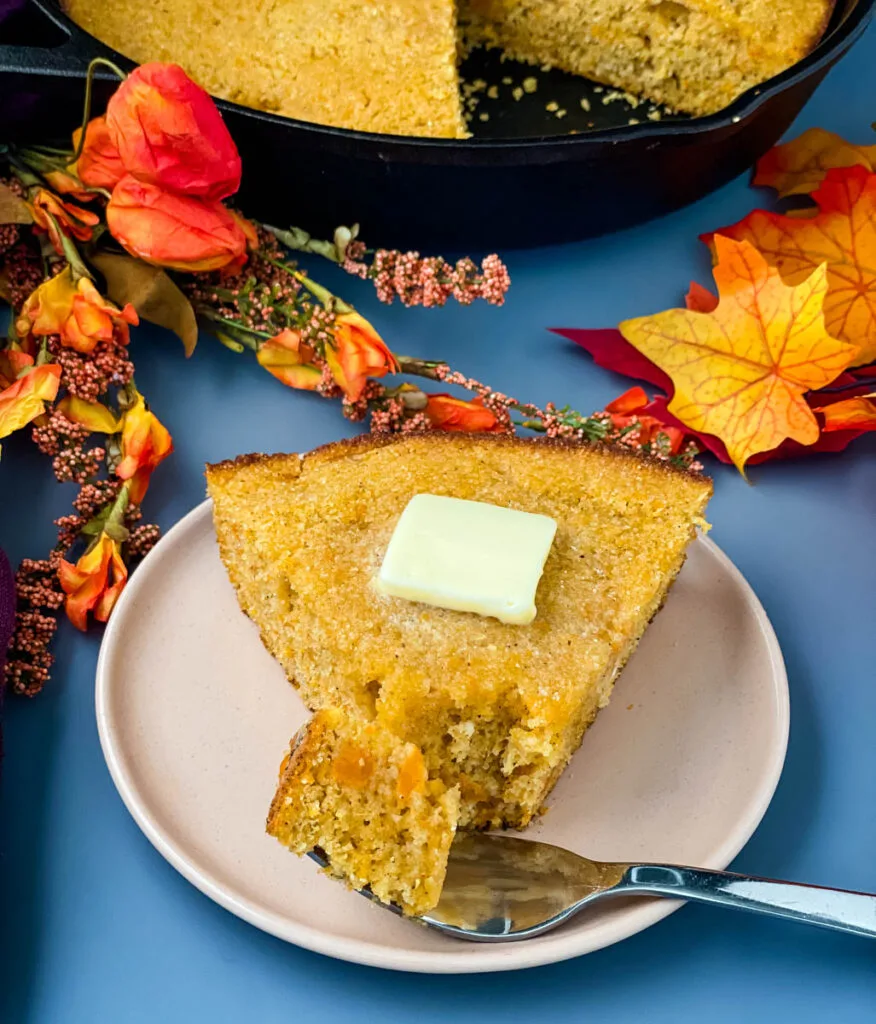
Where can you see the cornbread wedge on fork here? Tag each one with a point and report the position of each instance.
(495, 709)
(362, 797)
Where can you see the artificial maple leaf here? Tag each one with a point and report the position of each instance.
(850, 414)
(740, 372)
(841, 235)
(800, 166)
(699, 299)
(612, 351)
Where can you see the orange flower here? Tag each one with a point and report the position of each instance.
(55, 216)
(12, 362)
(76, 311)
(626, 411)
(169, 133)
(145, 443)
(448, 413)
(95, 582)
(252, 243)
(65, 184)
(99, 164)
(167, 230)
(289, 360)
(24, 399)
(357, 353)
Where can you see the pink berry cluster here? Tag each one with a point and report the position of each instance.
(429, 280)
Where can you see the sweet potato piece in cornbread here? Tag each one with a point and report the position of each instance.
(497, 709)
(380, 67)
(364, 798)
(691, 55)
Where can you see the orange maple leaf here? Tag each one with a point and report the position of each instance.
(850, 414)
(842, 235)
(741, 371)
(800, 166)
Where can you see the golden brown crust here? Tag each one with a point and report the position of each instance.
(302, 749)
(301, 536)
(364, 443)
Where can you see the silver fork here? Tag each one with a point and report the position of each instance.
(503, 889)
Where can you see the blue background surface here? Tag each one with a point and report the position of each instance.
(96, 927)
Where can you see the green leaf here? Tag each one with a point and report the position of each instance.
(116, 532)
(151, 292)
(13, 210)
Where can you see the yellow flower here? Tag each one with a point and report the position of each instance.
(287, 359)
(145, 443)
(76, 311)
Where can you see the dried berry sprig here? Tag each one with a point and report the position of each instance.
(414, 279)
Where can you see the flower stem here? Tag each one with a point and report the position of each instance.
(331, 302)
(71, 253)
(89, 89)
(421, 367)
(243, 334)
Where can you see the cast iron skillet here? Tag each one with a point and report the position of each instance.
(523, 180)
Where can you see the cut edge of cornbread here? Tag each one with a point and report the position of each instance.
(363, 798)
(505, 745)
(695, 56)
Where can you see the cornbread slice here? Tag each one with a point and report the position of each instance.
(363, 797)
(382, 67)
(696, 56)
(497, 709)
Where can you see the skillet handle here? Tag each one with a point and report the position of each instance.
(71, 57)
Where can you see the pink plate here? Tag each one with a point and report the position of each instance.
(195, 716)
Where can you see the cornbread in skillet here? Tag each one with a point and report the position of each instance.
(391, 67)
(496, 709)
(363, 797)
(696, 56)
(382, 67)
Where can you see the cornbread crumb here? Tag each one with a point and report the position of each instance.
(364, 799)
(530, 84)
(517, 93)
(303, 537)
(552, 106)
(585, 103)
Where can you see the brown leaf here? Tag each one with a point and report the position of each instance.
(13, 210)
(151, 292)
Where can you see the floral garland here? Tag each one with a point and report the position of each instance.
(131, 224)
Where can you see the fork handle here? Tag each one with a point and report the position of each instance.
(839, 909)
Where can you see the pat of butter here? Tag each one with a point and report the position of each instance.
(468, 556)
